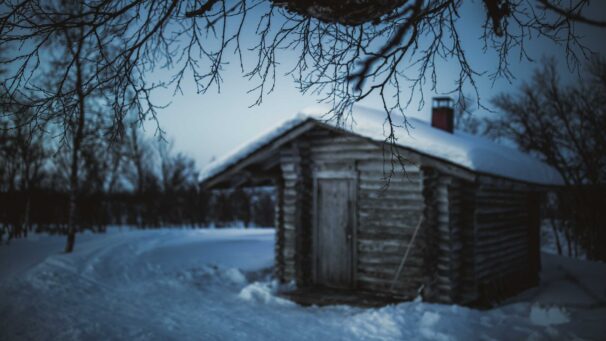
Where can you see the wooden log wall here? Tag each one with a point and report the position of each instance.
(386, 216)
(387, 220)
(431, 234)
(279, 224)
(447, 243)
(462, 206)
(481, 236)
(450, 204)
(285, 256)
(506, 227)
(474, 232)
(303, 235)
(295, 256)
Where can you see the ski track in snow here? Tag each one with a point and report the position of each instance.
(184, 284)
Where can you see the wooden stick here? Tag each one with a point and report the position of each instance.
(412, 240)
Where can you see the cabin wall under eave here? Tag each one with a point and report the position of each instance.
(477, 238)
(462, 206)
(294, 256)
(279, 226)
(450, 205)
(507, 255)
(386, 217)
(387, 221)
(286, 255)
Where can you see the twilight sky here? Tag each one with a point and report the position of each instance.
(208, 125)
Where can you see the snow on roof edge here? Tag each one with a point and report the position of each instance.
(245, 149)
(472, 152)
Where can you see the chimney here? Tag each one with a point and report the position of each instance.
(442, 114)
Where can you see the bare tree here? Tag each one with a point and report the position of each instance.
(141, 158)
(22, 159)
(177, 171)
(66, 93)
(348, 49)
(32, 156)
(565, 125)
(178, 176)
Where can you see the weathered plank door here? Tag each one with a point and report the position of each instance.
(334, 205)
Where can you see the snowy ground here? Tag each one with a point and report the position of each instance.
(214, 284)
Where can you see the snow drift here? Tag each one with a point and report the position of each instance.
(216, 285)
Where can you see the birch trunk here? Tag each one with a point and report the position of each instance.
(76, 143)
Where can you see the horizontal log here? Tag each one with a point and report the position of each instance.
(485, 250)
(386, 246)
(288, 253)
(501, 236)
(289, 239)
(489, 181)
(496, 224)
(382, 206)
(388, 272)
(497, 194)
(488, 218)
(385, 164)
(501, 210)
(393, 177)
(383, 185)
(489, 202)
(290, 219)
(499, 269)
(289, 210)
(416, 252)
(329, 140)
(379, 234)
(348, 155)
(380, 260)
(390, 216)
(390, 195)
(343, 148)
(498, 263)
(387, 226)
(405, 285)
(290, 180)
(290, 184)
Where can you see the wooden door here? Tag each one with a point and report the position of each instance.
(334, 232)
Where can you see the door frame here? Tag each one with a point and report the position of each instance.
(348, 171)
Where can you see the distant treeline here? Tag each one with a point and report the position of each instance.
(192, 208)
(127, 179)
(577, 216)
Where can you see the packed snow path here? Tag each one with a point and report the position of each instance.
(186, 284)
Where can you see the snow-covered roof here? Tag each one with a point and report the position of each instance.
(473, 152)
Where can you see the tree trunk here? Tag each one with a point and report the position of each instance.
(27, 214)
(569, 241)
(556, 235)
(76, 142)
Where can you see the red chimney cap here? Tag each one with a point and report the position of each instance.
(442, 114)
(442, 102)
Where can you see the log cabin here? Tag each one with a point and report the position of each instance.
(433, 213)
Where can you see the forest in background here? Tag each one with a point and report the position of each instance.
(77, 72)
(134, 180)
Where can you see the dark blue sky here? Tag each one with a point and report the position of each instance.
(209, 125)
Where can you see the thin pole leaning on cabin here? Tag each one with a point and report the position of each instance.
(412, 240)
